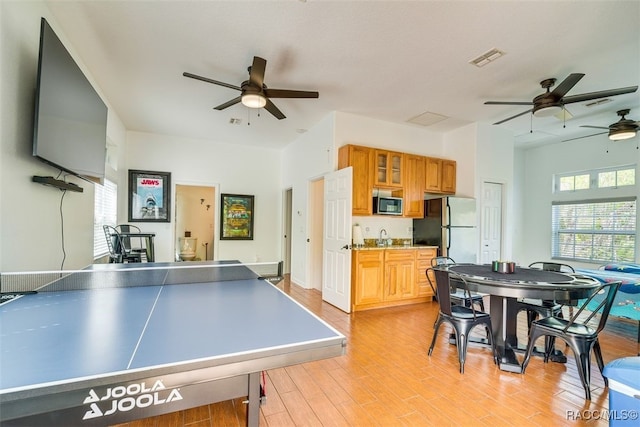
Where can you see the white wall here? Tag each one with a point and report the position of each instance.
(31, 233)
(540, 164)
(235, 169)
(484, 153)
(308, 158)
(360, 130)
(494, 163)
(461, 146)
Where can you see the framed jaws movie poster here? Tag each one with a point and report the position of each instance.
(149, 196)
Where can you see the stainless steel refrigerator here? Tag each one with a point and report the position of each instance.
(451, 224)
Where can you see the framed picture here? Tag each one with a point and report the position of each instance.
(149, 196)
(236, 217)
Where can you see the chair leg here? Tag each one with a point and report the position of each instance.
(599, 360)
(582, 353)
(462, 349)
(549, 345)
(435, 334)
(533, 336)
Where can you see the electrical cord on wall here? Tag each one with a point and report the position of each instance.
(64, 253)
(64, 193)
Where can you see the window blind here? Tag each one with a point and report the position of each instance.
(590, 230)
(105, 213)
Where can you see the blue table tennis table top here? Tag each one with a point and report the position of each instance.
(72, 339)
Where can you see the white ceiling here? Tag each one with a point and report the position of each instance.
(389, 60)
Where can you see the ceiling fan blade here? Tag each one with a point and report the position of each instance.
(285, 93)
(508, 103)
(513, 117)
(228, 104)
(594, 127)
(256, 73)
(270, 107)
(208, 80)
(601, 94)
(586, 136)
(566, 85)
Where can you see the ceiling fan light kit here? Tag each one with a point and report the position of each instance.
(252, 100)
(620, 135)
(618, 131)
(254, 93)
(547, 111)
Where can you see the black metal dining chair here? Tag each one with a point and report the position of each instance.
(577, 333)
(134, 245)
(462, 319)
(457, 296)
(536, 308)
(117, 250)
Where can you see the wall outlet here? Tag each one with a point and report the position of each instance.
(409, 229)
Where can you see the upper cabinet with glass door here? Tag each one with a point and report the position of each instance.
(389, 166)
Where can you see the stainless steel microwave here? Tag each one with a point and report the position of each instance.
(387, 205)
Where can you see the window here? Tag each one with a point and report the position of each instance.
(597, 178)
(599, 231)
(105, 213)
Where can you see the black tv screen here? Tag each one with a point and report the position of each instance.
(70, 125)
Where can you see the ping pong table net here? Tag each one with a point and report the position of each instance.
(102, 276)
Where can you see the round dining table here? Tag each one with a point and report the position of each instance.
(504, 290)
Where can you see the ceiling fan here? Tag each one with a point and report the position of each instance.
(553, 102)
(255, 93)
(618, 131)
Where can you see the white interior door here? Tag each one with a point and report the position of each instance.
(491, 221)
(336, 257)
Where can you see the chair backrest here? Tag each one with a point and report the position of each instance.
(552, 266)
(605, 294)
(443, 284)
(126, 240)
(112, 236)
(442, 260)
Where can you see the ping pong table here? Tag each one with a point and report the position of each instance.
(119, 342)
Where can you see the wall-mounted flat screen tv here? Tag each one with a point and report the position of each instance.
(70, 124)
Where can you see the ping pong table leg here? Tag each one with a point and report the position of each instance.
(253, 407)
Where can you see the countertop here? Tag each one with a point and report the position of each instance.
(392, 247)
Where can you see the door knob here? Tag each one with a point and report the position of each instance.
(345, 247)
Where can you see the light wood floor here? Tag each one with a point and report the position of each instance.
(387, 379)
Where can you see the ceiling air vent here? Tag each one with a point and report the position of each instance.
(427, 119)
(487, 57)
(597, 102)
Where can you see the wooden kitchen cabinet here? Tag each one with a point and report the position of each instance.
(362, 161)
(388, 169)
(448, 183)
(367, 277)
(440, 176)
(389, 277)
(414, 179)
(399, 266)
(423, 262)
(433, 175)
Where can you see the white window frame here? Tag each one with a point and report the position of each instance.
(105, 213)
(593, 178)
(619, 229)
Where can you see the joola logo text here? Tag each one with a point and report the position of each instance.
(125, 398)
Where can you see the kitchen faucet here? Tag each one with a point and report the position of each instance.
(380, 241)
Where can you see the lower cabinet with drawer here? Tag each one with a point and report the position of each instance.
(389, 277)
